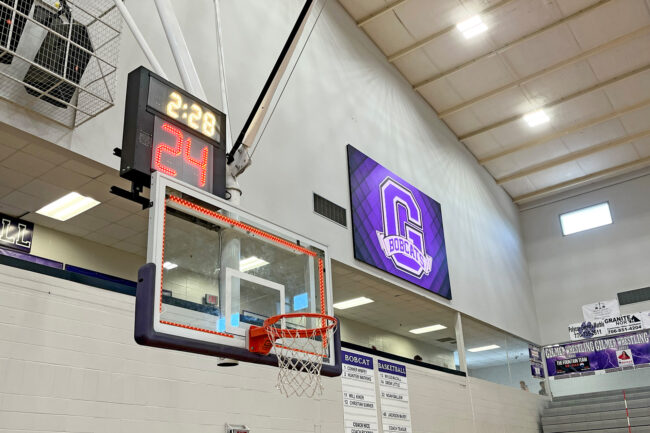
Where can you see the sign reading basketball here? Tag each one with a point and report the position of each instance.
(396, 227)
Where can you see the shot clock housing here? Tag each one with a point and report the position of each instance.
(169, 130)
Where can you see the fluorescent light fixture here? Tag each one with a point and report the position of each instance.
(472, 27)
(353, 303)
(250, 263)
(68, 206)
(536, 118)
(427, 329)
(484, 348)
(586, 218)
(169, 266)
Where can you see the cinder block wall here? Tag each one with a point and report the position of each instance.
(68, 363)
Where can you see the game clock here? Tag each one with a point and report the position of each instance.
(168, 130)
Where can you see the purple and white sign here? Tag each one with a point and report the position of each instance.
(537, 370)
(396, 227)
(356, 359)
(394, 397)
(16, 233)
(627, 350)
(359, 395)
(392, 368)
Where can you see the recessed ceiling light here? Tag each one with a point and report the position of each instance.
(169, 266)
(68, 206)
(536, 118)
(250, 263)
(484, 348)
(428, 329)
(353, 303)
(472, 27)
(586, 218)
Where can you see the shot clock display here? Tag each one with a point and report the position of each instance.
(168, 130)
(183, 109)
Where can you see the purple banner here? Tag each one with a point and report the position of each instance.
(356, 359)
(625, 350)
(537, 370)
(30, 258)
(389, 367)
(534, 353)
(396, 227)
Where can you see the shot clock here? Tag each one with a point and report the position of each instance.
(168, 130)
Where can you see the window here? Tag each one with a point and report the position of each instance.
(584, 219)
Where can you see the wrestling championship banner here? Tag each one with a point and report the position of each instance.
(627, 351)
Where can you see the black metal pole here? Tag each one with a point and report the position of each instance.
(269, 81)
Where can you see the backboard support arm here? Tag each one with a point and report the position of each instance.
(254, 121)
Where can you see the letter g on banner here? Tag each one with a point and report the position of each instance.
(402, 239)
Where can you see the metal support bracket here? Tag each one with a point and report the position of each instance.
(133, 195)
(136, 189)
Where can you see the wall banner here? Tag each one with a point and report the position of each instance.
(396, 227)
(534, 353)
(393, 387)
(584, 330)
(359, 395)
(645, 319)
(16, 233)
(627, 350)
(623, 324)
(537, 370)
(601, 310)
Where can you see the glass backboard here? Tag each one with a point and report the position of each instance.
(214, 270)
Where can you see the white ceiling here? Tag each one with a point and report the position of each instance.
(586, 62)
(35, 173)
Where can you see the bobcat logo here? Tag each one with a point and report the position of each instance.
(402, 239)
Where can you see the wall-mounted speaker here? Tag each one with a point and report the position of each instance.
(12, 24)
(57, 55)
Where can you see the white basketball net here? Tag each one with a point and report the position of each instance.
(300, 357)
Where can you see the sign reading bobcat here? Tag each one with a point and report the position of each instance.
(396, 227)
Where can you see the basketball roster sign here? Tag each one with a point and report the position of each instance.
(396, 227)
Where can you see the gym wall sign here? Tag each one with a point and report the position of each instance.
(396, 227)
(16, 234)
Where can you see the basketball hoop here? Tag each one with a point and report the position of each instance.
(300, 349)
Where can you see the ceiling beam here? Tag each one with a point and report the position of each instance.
(423, 42)
(557, 102)
(572, 156)
(553, 68)
(573, 182)
(505, 47)
(566, 131)
(363, 21)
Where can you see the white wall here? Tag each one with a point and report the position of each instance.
(68, 363)
(570, 271)
(83, 253)
(342, 91)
